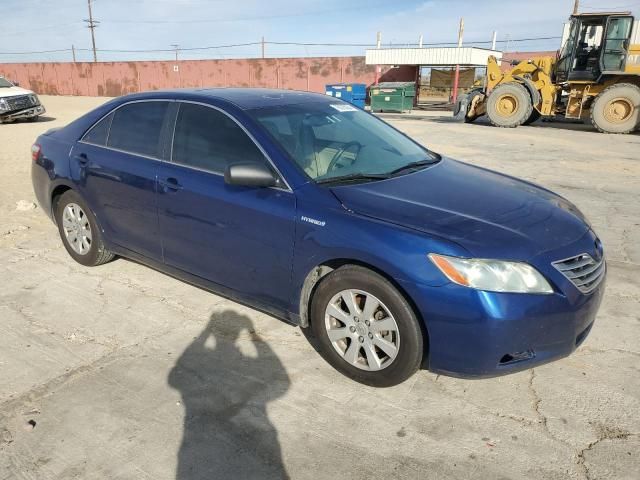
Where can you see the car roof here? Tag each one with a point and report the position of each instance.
(244, 98)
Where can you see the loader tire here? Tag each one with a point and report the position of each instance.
(461, 110)
(617, 109)
(509, 105)
(535, 115)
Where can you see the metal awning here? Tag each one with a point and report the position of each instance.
(431, 57)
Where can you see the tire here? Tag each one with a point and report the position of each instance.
(391, 366)
(535, 116)
(509, 105)
(461, 109)
(75, 219)
(472, 95)
(617, 109)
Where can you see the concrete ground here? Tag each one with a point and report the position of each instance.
(121, 372)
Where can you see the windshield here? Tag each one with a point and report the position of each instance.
(570, 40)
(331, 141)
(5, 83)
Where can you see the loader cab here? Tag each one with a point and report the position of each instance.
(594, 44)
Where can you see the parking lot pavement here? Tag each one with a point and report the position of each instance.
(122, 372)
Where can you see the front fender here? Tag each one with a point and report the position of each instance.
(345, 237)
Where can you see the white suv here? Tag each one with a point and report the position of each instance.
(16, 102)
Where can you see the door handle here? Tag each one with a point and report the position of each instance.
(171, 183)
(81, 158)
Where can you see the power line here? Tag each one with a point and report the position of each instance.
(160, 50)
(35, 52)
(300, 44)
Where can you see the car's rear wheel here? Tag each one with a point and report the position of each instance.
(79, 231)
(365, 328)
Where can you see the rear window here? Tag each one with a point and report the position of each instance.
(137, 128)
(99, 132)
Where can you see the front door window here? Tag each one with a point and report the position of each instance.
(616, 44)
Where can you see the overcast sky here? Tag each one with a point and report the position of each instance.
(39, 25)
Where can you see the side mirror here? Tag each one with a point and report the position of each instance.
(250, 175)
(17, 84)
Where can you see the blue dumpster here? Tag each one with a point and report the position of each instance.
(354, 93)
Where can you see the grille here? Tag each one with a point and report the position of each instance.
(583, 271)
(19, 102)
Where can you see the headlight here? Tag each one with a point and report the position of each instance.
(3, 105)
(492, 275)
(33, 99)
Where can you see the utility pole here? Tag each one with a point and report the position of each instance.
(493, 40)
(420, 38)
(378, 68)
(456, 78)
(262, 47)
(576, 6)
(92, 24)
(175, 47)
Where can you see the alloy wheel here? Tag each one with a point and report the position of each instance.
(77, 229)
(362, 330)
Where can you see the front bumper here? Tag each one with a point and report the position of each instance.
(486, 334)
(24, 113)
(475, 334)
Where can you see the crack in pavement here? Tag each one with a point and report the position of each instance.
(39, 392)
(516, 418)
(542, 419)
(606, 433)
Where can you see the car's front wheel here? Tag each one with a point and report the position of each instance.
(79, 231)
(365, 328)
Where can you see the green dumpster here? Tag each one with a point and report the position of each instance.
(393, 96)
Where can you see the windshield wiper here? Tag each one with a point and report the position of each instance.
(412, 166)
(353, 177)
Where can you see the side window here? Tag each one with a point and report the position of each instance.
(616, 43)
(99, 132)
(208, 139)
(137, 128)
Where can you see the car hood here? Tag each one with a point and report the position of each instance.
(13, 91)
(489, 214)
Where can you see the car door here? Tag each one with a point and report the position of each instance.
(239, 237)
(115, 166)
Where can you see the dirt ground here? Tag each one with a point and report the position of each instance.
(121, 372)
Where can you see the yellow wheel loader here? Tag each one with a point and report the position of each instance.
(596, 76)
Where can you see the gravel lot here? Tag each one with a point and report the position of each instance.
(121, 372)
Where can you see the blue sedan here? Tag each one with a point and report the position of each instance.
(323, 215)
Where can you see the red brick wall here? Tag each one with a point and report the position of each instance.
(120, 78)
